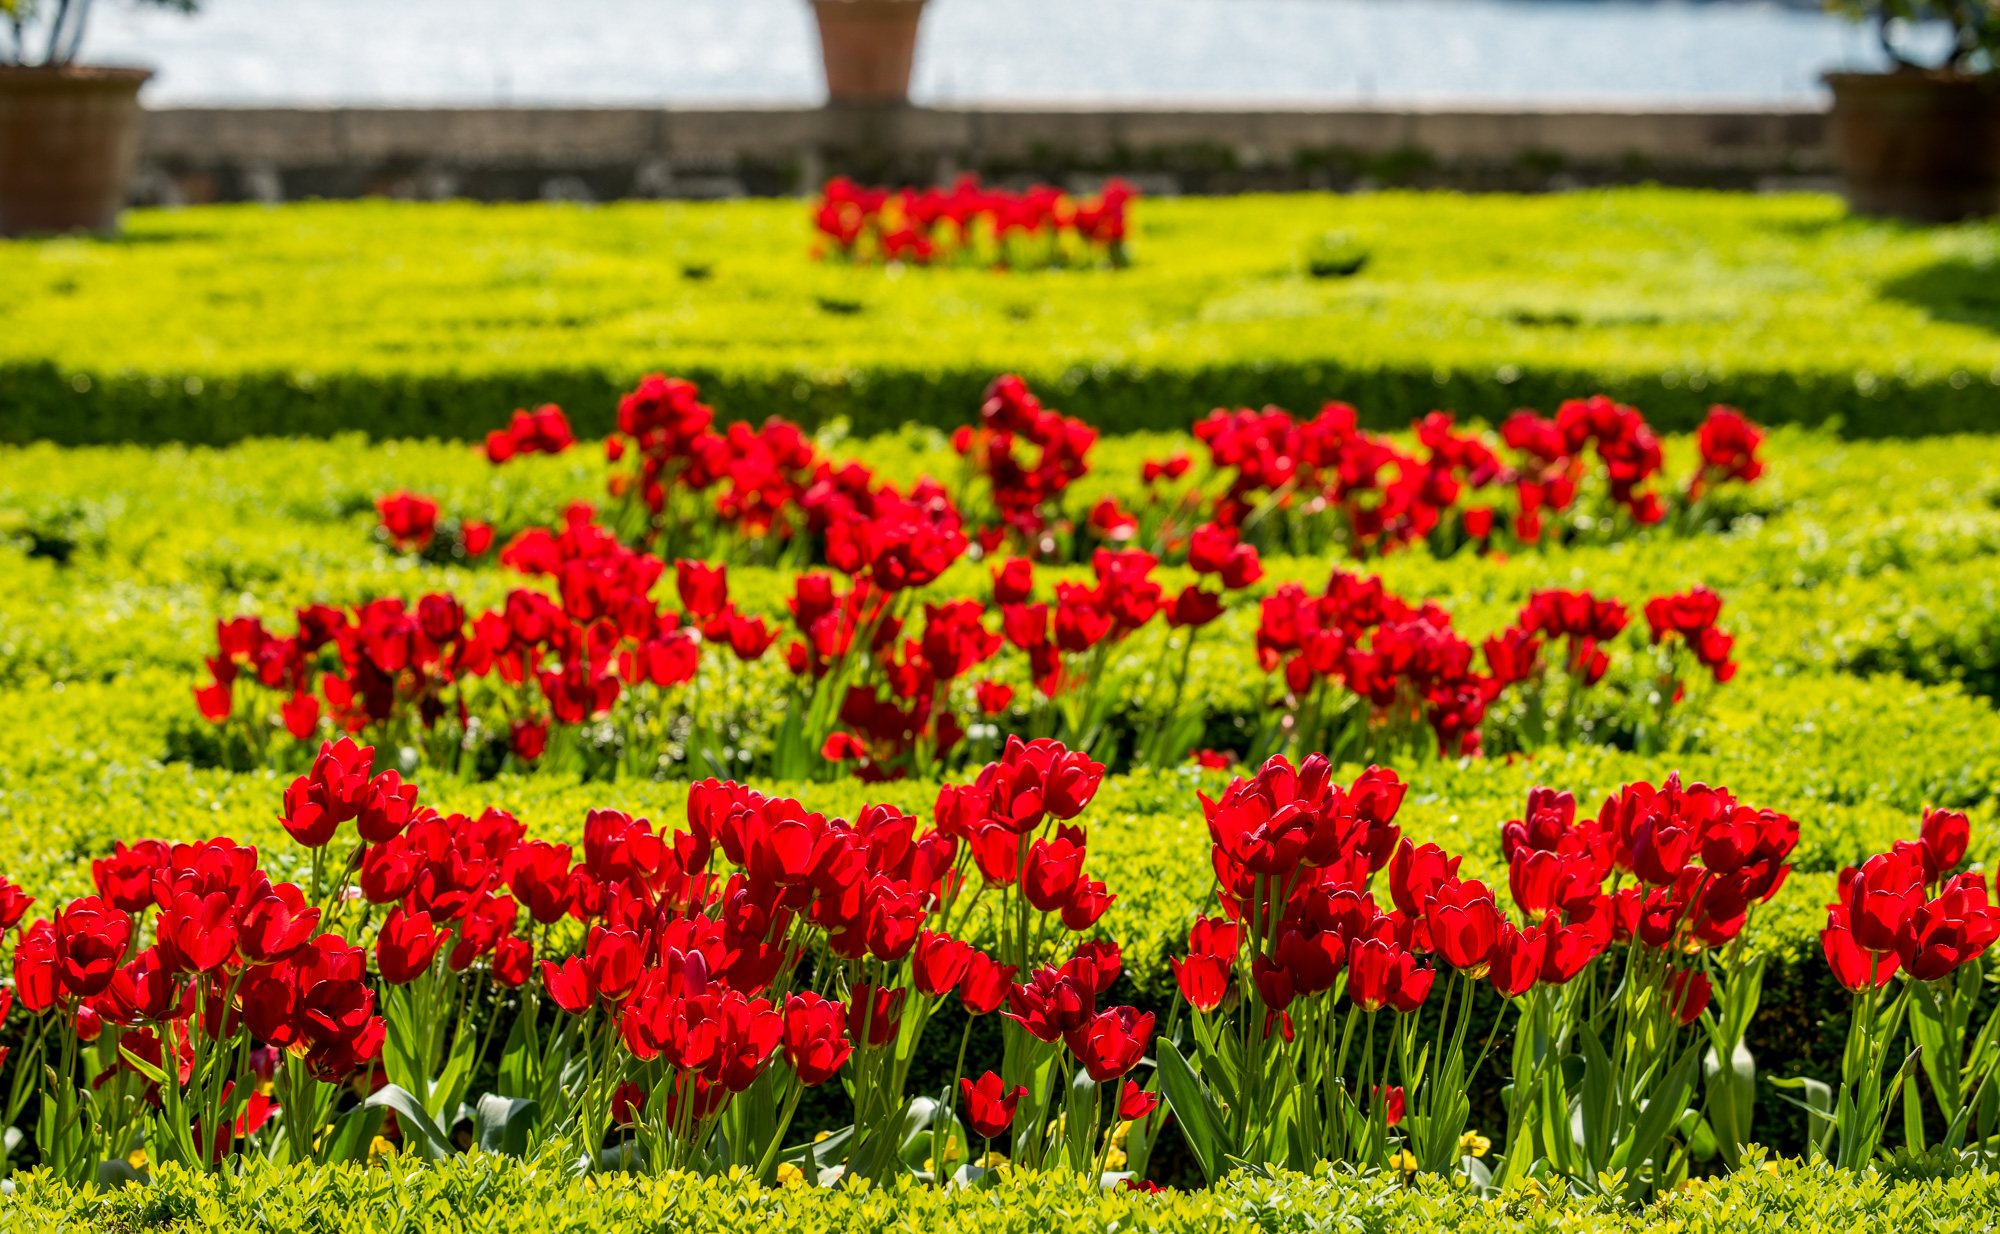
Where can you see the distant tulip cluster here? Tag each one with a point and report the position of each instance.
(972, 225)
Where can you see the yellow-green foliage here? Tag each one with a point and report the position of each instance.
(218, 322)
(493, 1195)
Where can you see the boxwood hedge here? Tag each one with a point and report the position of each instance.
(497, 1196)
(408, 320)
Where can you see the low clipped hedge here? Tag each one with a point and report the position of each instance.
(494, 1196)
(39, 402)
(411, 320)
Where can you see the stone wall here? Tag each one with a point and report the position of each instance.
(275, 154)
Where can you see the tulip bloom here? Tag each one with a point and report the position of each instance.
(989, 1106)
(1049, 876)
(274, 927)
(939, 963)
(1204, 980)
(1853, 966)
(569, 986)
(985, 985)
(406, 945)
(1464, 925)
(1938, 937)
(1517, 960)
(1112, 1043)
(873, 1015)
(704, 589)
(1686, 996)
(1946, 835)
(90, 939)
(1136, 1103)
(513, 961)
(815, 1038)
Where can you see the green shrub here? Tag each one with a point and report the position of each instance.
(403, 320)
(503, 1197)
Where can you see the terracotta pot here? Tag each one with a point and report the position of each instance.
(868, 47)
(1918, 144)
(68, 137)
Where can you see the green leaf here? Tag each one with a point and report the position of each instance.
(520, 1056)
(1200, 1119)
(353, 1134)
(412, 1116)
(504, 1124)
(1664, 1109)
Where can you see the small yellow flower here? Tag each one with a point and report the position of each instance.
(380, 1151)
(1769, 1167)
(821, 1136)
(1691, 1186)
(1406, 1161)
(1119, 1132)
(1473, 1144)
(991, 1161)
(136, 1159)
(790, 1175)
(1115, 1159)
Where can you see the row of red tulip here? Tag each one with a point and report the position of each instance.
(969, 224)
(883, 690)
(700, 981)
(742, 493)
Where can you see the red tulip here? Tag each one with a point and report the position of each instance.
(873, 1015)
(1416, 873)
(1880, 897)
(1136, 1103)
(989, 1105)
(1938, 937)
(1464, 924)
(513, 961)
(1946, 835)
(406, 945)
(270, 929)
(1204, 980)
(1050, 873)
(1687, 996)
(569, 985)
(1014, 581)
(939, 963)
(1517, 960)
(704, 589)
(387, 809)
(616, 960)
(1853, 966)
(815, 1037)
(90, 939)
(985, 985)
(1112, 1043)
(1394, 1103)
(197, 933)
(1050, 1005)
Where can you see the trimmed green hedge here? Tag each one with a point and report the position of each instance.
(505, 1197)
(407, 320)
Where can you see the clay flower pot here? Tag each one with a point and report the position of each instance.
(68, 136)
(1918, 144)
(868, 47)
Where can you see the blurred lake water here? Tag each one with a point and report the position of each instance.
(1283, 52)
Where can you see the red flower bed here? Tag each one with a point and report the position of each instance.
(884, 686)
(971, 225)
